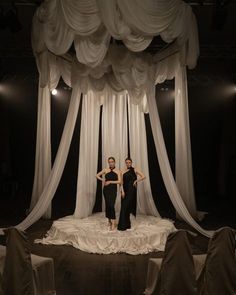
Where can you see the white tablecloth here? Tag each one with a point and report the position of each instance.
(154, 266)
(43, 273)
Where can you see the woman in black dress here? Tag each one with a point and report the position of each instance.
(129, 194)
(112, 178)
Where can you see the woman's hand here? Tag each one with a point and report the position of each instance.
(107, 183)
(135, 183)
(122, 195)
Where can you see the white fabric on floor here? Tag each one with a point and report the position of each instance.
(138, 153)
(164, 164)
(88, 156)
(92, 234)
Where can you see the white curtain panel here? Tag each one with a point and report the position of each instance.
(183, 155)
(139, 155)
(43, 147)
(50, 71)
(164, 164)
(90, 25)
(58, 165)
(114, 131)
(88, 156)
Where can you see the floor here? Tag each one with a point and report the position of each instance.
(77, 272)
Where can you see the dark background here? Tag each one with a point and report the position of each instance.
(212, 109)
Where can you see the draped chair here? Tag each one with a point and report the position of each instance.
(1, 291)
(219, 272)
(17, 273)
(177, 272)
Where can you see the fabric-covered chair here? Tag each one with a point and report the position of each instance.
(17, 278)
(1, 291)
(218, 276)
(177, 273)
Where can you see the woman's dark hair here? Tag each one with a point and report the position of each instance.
(128, 159)
(111, 158)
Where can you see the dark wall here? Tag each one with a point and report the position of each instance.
(212, 111)
(212, 106)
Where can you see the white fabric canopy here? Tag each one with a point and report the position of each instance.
(90, 24)
(108, 74)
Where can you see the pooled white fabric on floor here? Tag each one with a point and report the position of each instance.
(91, 234)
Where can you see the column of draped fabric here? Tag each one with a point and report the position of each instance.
(43, 147)
(164, 164)
(114, 131)
(88, 156)
(183, 155)
(139, 155)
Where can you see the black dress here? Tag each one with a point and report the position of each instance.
(110, 192)
(129, 202)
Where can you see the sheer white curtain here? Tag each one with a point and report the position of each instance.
(138, 153)
(88, 155)
(167, 174)
(58, 165)
(49, 75)
(43, 147)
(183, 155)
(114, 130)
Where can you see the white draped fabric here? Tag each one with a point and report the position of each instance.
(90, 24)
(164, 164)
(91, 234)
(88, 156)
(138, 153)
(183, 155)
(106, 74)
(114, 131)
(114, 128)
(43, 147)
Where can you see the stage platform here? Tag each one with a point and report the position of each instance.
(92, 234)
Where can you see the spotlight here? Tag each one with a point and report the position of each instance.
(54, 92)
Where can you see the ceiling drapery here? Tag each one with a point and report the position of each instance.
(90, 24)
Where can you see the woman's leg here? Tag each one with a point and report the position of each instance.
(110, 198)
(113, 224)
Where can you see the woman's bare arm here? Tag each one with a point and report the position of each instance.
(141, 176)
(102, 172)
(121, 186)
